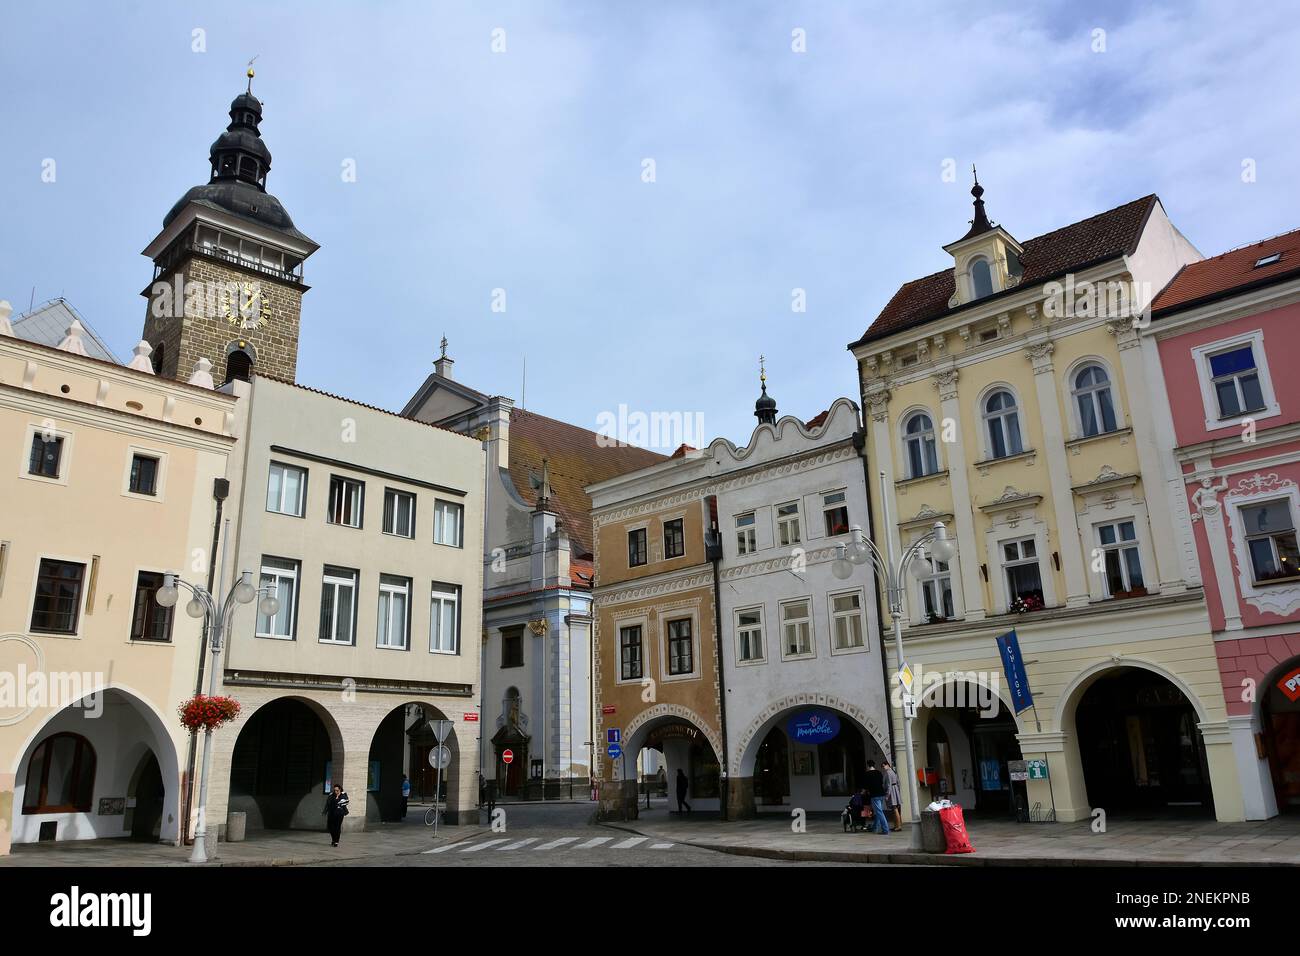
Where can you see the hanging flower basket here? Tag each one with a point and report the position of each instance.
(208, 713)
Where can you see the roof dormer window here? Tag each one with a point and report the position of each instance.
(981, 278)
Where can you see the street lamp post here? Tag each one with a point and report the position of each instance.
(863, 549)
(216, 623)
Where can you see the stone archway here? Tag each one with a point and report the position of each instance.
(742, 759)
(400, 746)
(1278, 714)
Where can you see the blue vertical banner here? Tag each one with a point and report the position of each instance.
(1013, 665)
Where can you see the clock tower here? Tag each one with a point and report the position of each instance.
(228, 263)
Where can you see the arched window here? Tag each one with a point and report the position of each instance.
(1002, 419)
(239, 365)
(60, 776)
(922, 454)
(981, 278)
(159, 356)
(1093, 398)
(248, 169)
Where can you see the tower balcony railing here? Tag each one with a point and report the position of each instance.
(235, 258)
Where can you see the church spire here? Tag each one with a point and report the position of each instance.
(239, 155)
(765, 407)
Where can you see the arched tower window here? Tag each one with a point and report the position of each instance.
(159, 359)
(239, 365)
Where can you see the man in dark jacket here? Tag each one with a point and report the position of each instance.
(874, 781)
(682, 786)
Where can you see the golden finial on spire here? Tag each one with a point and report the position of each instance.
(250, 73)
(762, 371)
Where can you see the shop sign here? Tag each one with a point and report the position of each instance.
(1018, 770)
(813, 727)
(1290, 685)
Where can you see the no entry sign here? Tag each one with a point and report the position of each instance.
(507, 756)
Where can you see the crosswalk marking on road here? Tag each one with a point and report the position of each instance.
(594, 841)
(628, 843)
(517, 844)
(554, 843)
(483, 846)
(449, 846)
(661, 846)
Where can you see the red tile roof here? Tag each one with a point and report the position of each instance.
(1229, 273)
(576, 458)
(818, 420)
(1072, 248)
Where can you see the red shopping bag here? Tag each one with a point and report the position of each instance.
(954, 831)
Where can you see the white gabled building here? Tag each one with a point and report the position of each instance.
(802, 661)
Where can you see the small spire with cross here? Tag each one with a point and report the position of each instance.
(442, 365)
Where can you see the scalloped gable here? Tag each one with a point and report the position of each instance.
(789, 436)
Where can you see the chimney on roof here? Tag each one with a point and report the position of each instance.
(442, 366)
(6, 310)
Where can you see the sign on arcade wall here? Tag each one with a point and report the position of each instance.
(813, 727)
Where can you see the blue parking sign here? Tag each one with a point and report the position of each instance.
(614, 735)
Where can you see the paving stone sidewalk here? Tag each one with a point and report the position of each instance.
(1273, 842)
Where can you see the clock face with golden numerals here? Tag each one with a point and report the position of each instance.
(244, 305)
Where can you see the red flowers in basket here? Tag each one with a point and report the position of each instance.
(208, 713)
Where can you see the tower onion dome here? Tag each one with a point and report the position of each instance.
(980, 224)
(765, 407)
(239, 163)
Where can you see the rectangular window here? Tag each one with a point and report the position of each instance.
(45, 456)
(512, 647)
(346, 500)
(749, 634)
(447, 523)
(150, 621)
(1122, 563)
(674, 539)
(282, 575)
(444, 619)
(846, 620)
(399, 513)
(936, 589)
(338, 606)
(681, 649)
(286, 490)
(630, 651)
(144, 475)
(796, 628)
(636, 548)
(1271, 541)
(394, 611)
(1024, 582)
(1235, 380)
(58, 597)
(787, 524)
(746, 543)
(836, 511)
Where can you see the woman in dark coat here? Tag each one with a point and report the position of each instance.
(336, 808)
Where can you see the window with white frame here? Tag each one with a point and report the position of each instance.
(1271, 541)
(835, 510)
(922, 450)
(286, 489)
(280, 574)
(448, 520)
(631, 652)
(1002, 423)
(399, 513)
(345, 501)
(796, 628)
(788, 531)
(1024, 579)
(338, 606)
(1121, 563)
(681, 647)
(749, 634)
(746, 542)
(444, 619)
(1093, 399)
(394, 611)
(46, 453)
(1234, 377)
(846, 620)
(981, 278)
(935, 580)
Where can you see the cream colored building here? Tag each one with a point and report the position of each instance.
(1003, 396)
(108, 482)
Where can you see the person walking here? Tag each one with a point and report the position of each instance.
(336, 808)
(894, 796)
(874, 782)
(682, 786)
(406, 793)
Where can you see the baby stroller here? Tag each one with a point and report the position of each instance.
(852, 823)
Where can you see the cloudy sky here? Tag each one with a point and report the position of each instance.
(523, 170)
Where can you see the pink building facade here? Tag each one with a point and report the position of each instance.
(1225, 342)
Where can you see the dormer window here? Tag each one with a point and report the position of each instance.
(981, 278)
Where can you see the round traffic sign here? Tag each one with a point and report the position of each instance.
(507, 756)
(439, 757)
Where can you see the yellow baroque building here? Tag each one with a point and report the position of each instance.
(1004, 396)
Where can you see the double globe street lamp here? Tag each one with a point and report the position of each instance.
(216, 623)
(859, 551)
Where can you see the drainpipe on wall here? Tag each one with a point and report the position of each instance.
(713, 552)
(220, 492)
(860, 444)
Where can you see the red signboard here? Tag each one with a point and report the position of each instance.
(609, 709)
(1290, 685)
(472, 718)
(507, 756)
